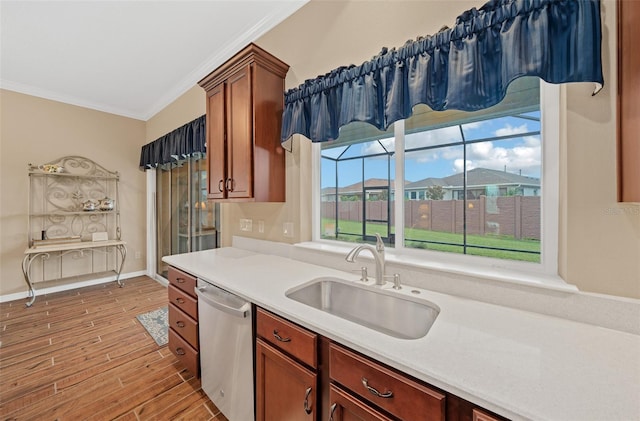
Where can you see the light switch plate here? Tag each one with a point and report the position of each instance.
(261, 227)
(246, 225)
(287, 229)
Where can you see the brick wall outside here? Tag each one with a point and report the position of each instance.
(517, 216)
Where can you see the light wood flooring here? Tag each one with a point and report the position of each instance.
(83, 355)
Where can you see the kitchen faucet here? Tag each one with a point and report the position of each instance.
(378, 256)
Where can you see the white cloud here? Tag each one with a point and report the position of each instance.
(457, 165)
(375, 147)
(473, 125)
(525, 157)
(508, 130)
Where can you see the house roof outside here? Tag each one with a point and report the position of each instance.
(357, 187)
(475, 177)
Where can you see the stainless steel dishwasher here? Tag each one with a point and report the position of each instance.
(226, 350)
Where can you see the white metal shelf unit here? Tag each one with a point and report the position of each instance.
(65, 218)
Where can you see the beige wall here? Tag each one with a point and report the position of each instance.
(321, 36)
(35, 130)
(602, 249)
(189, 106)
(599, 239)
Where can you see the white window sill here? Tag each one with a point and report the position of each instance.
(474, 266)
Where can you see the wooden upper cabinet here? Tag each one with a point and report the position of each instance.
(215, 141)
(245, 100)
(628, 101)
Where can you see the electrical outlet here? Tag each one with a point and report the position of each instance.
(261, 227)
(287, 229)
(138, 255)
(246, 225)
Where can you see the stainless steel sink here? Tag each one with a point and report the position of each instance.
(385, 311)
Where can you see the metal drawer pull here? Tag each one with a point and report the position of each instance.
(280, 338)
(180, 323)
(180, 300)
(221, 185)
(387, 394)
(307, 409)
(180, 280)
(180, 351)
(333, 409)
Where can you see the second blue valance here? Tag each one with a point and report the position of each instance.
(183, 142)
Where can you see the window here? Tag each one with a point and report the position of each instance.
(472, 183)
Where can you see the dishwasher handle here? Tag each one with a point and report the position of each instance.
(241, 311)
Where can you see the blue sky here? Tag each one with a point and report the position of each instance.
(520, 154)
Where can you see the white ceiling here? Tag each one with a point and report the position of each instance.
(130, 58)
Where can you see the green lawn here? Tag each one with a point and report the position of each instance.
(417, 235)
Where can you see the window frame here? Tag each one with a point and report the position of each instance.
(548, 265)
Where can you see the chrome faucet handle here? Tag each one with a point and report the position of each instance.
(364, 276)
(396, 280)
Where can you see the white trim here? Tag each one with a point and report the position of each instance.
(151, 222)
(68, 99)
(279, 12)
(550, 133)
(73, 285)
(398, 204)
(315, 190)
(160, 279)
(277, 15)
(544, 273)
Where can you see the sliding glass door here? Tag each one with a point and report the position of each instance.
(185, 220)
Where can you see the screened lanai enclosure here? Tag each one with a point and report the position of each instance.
(471, 180)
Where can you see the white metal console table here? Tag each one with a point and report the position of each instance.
(74, 222)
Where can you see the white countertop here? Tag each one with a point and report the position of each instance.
(519, 364)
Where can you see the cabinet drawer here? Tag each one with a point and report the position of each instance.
(296, 341)
(182, 280)
(345, 407)
(478, 415)
(185, 352)
(393, 392)
(183, 325)
(184, 302)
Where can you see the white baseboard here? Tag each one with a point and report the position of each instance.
(72, 285)
(160, 279)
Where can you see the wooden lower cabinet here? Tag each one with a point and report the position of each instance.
(345, 407)
(285, 390)
(188, 355)
(301, 375)
(183, 319)
(395, 393)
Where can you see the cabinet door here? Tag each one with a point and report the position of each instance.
(285, 390)
(240, 135)
(216, 154)
(345, 407)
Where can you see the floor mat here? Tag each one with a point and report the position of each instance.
(157, 324)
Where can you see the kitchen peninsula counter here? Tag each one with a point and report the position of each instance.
(519, 364)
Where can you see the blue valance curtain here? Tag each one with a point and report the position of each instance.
(183, 142)
(467, 67)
